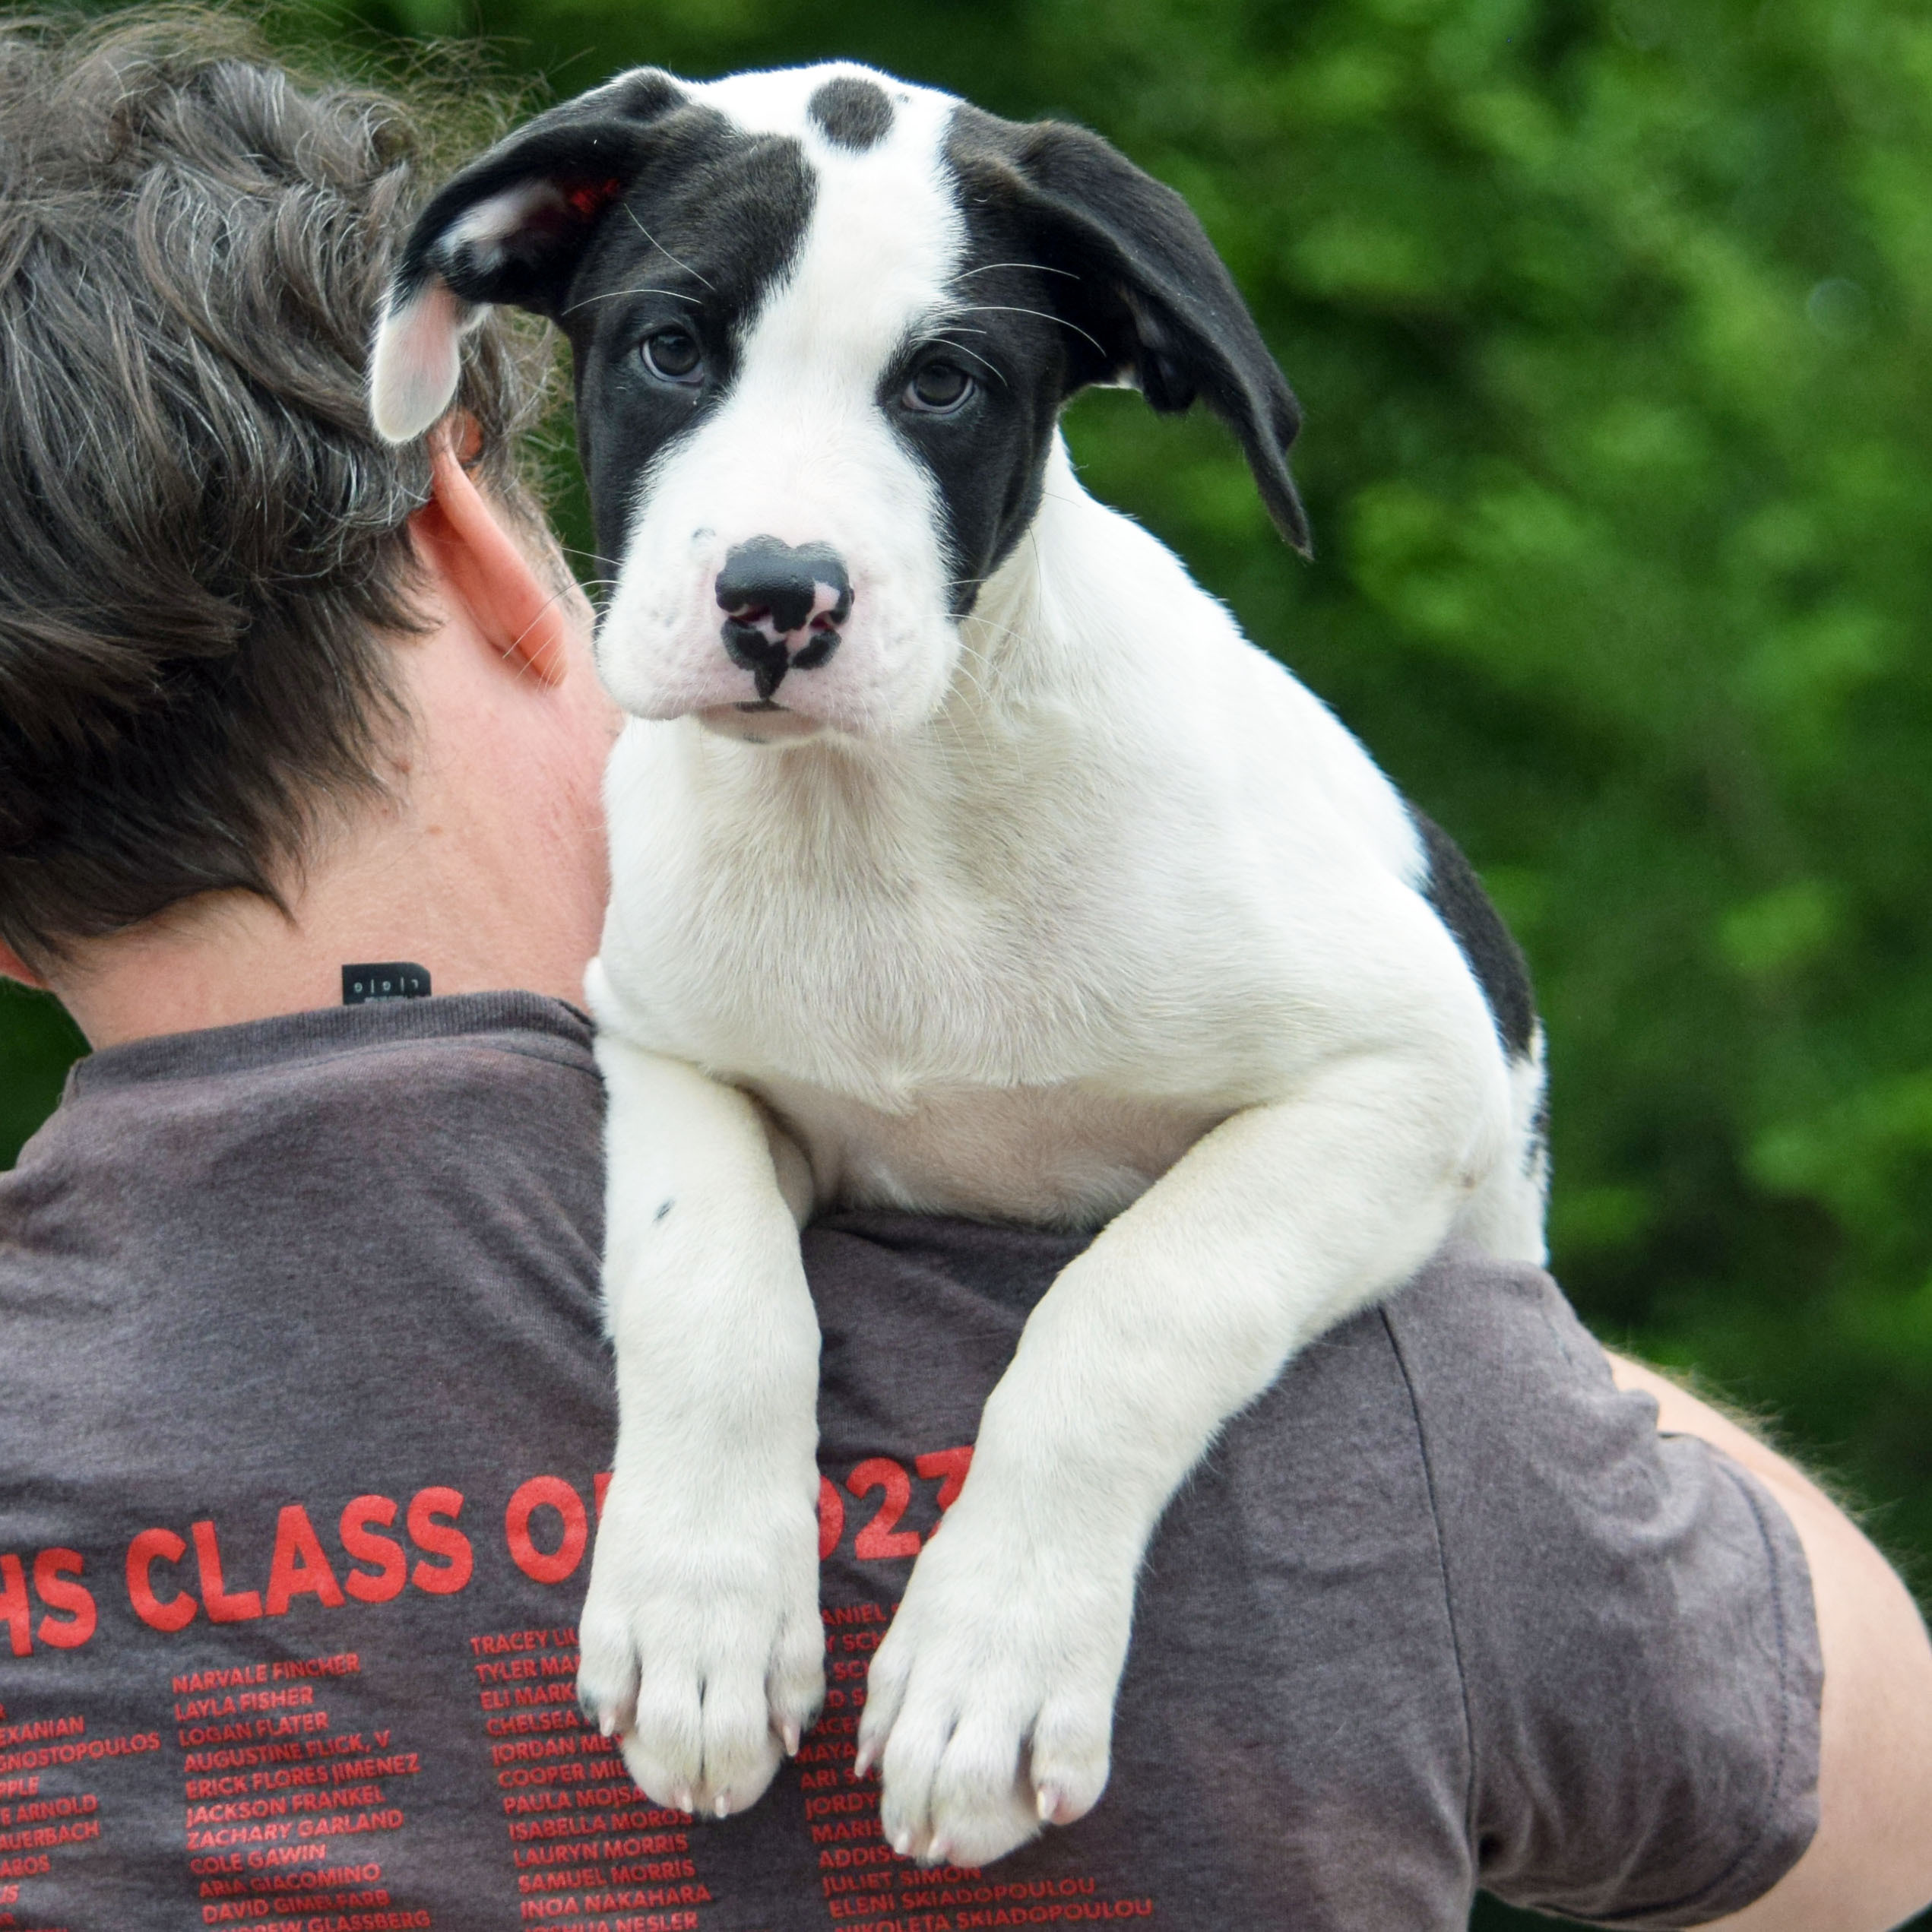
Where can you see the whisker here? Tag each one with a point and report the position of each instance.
(1007, 309)
(976, 669)
(524, 667)
(1039, 267)
(1003, 630)
(676, 295)
(993, 624)
(664, 251)
(980, 359)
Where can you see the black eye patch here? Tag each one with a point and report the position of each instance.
(681, 265)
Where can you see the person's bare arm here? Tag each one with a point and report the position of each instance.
(1870, 1867)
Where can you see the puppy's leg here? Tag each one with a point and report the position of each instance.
(990, 1701)
(701, 1642)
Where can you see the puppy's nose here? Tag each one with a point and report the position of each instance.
(784, 603)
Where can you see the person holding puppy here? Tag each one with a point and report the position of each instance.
(304, 1404)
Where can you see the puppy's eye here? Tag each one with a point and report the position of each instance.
(672, 356)
(937, 389)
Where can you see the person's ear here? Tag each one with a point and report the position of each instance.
(12, 966)
(480, 561)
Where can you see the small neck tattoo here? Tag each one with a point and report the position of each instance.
(395, 978)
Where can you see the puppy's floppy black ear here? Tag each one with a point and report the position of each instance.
(510, 228)
(1137, 274)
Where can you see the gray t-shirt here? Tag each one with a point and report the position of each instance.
(303, 1403)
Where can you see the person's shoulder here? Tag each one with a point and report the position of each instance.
(1476, 1368)
(1520, 1420)
(1470, 1325)
(1556, 1495)
(1631, 1614)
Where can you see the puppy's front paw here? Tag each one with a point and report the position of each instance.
(702, 1651)
(990, 1706)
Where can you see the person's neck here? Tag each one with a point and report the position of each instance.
(487, 871)
(231, 956)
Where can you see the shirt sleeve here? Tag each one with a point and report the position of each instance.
(1632, 1614)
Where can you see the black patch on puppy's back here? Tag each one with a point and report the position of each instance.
(852, 112)
(1453, 889)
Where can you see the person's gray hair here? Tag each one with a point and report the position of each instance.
(204, 555)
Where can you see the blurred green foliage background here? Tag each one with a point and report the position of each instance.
(1613, 322)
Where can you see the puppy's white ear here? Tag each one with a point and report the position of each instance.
(417, 362)
(511, 228)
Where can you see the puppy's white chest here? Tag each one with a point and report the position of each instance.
(798, 943)
(1068, 1156)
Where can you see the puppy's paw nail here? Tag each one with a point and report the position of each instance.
(1061, 1805)
(791, 1740)
(862, 1762)
(939, 1853)
(723, 1807)
(902, 1844)
(684, 1804)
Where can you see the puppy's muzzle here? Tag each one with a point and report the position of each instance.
(783, 604)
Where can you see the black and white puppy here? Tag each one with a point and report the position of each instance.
(965, 858)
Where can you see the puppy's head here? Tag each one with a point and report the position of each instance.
(823, 323)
